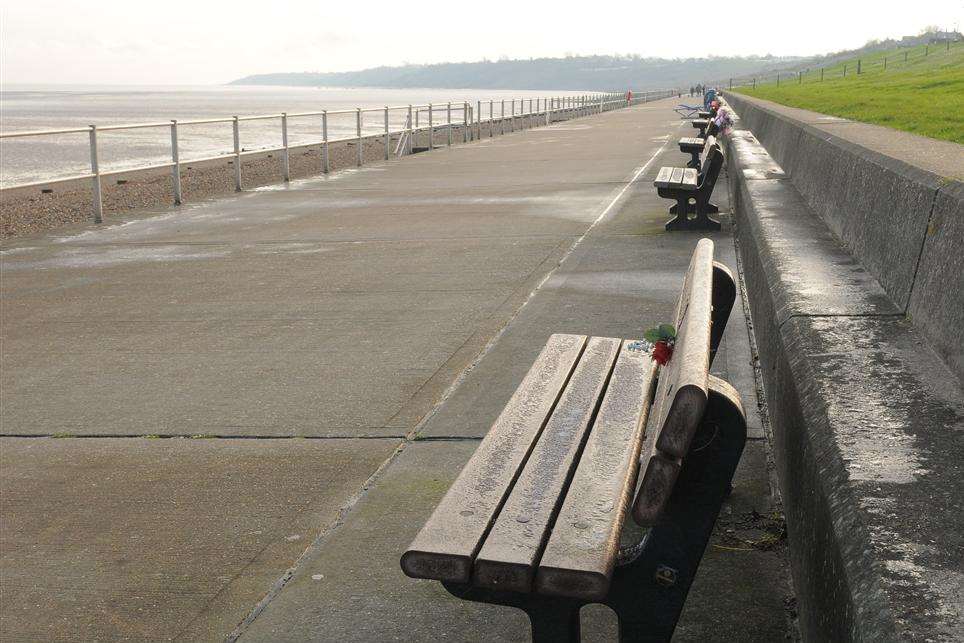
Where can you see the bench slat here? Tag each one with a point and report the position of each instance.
(579, 558)
(685, 178)
(681, 394)
(690, 177)
(444, 548)
(707, 148)
(509, 554)
(664, 176)
(691, 143)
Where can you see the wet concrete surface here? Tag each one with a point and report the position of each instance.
(867, 422)
(623, 277)
(898, 212)
(379, 303)
(160, 539)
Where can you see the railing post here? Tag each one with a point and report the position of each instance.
(478, 118)
(466, 124)
(502, 119)
(325, 163)
(431, 129)
(512, 117)
(285, 165)
(491, 120)
(411, 130)
(95, 179)
(448, 123)
(236, 127)
(176, 164)
(358, 143)
(388, 137)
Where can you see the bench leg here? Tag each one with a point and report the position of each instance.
(552, 626)
(648, 593)
(700, 211)
(694, 160)
(683, 207)
(553, 619)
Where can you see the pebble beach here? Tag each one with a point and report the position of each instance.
(33, 210)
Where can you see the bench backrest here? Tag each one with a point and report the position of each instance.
(711, 162)
(682, 391)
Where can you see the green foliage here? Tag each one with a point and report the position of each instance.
(665, 332)
(924, 95)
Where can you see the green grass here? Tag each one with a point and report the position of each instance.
(924, 95)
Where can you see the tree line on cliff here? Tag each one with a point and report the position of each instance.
(591, 73)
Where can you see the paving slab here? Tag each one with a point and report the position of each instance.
(156, 539)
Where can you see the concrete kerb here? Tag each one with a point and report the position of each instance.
(901, 222)
(857, 407)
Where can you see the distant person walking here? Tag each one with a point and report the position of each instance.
(629, 97)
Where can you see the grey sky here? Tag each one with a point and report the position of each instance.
(215, 41)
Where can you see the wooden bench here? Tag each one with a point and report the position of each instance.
(692, 190)
(535, 518)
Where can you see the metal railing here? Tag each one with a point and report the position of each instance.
(504, 116)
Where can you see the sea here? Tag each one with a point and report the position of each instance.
(44, 158)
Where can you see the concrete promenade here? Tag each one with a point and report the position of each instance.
(229, 419)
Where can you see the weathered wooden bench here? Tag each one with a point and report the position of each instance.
(692, 190)
(597, 431)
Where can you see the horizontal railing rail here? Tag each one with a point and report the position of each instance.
(503, 115)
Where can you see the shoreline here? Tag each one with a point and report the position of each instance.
(27, 210)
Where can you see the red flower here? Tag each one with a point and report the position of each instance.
(662, 352)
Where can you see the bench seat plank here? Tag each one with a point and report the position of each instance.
(511, 550)
(700, 122)
(581, 553)
(444, 548)
(678, 178)
(691, 143)
(664, 176)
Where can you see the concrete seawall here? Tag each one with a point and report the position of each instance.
(866, 417)
(905, 225)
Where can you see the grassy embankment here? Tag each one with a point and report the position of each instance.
(920, 92)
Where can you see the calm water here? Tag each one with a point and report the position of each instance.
(41, 158)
